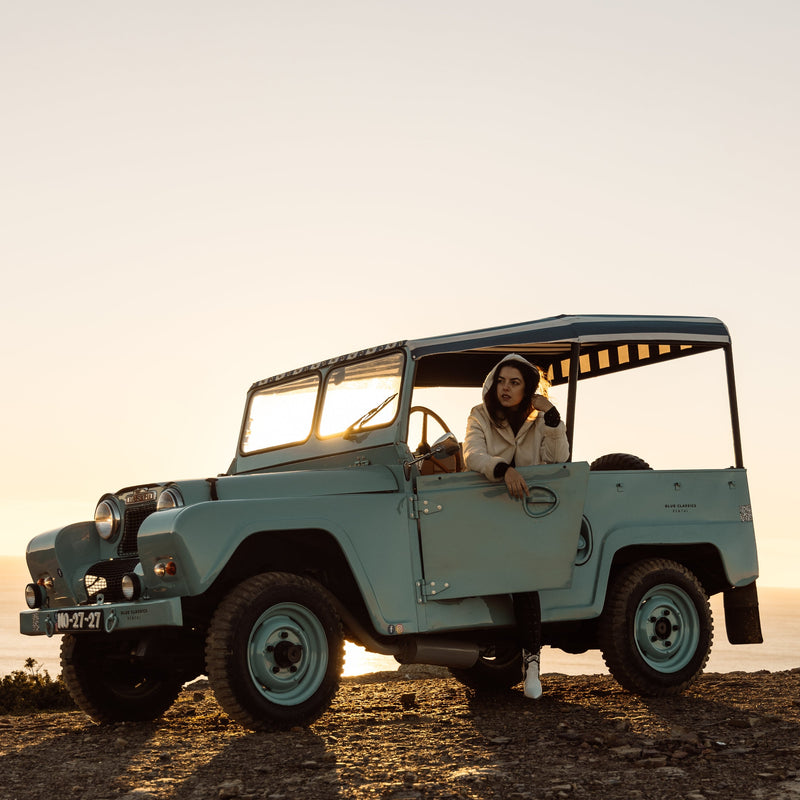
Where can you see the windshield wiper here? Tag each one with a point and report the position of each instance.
(365, 418)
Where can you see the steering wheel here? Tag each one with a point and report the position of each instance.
(426, 413)
(424, 446)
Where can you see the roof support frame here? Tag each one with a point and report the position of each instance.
(734, 404)
(572, 392)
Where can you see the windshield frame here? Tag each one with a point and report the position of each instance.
(352, 433)
(277, 387)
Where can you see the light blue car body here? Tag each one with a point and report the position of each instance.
(405, 553)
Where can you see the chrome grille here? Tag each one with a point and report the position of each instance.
(134, 517)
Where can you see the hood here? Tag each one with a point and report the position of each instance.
(509, 359)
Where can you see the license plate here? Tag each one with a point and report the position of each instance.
(79, 621)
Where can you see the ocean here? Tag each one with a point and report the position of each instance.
(780, 623)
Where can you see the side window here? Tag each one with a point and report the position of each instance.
(450, 404)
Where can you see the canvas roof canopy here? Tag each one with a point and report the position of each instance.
(599, 344)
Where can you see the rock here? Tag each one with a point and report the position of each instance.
(626, 751)
(230, 789)
(749, 722)
(669, 772)
(652, 761)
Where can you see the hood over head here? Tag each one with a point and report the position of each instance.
(507, 361)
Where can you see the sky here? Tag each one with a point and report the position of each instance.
(197, 195)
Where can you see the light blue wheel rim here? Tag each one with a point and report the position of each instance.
(287, 654)
(667, 628)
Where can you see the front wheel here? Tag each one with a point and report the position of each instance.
(110, 684)
(275, 651)
(656, 631)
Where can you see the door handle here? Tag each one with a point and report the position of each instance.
(540, 502)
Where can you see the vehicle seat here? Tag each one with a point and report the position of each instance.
(437, 466)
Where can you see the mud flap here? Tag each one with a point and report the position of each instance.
(742, 620)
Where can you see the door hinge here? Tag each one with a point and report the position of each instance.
(429, 589)
(418, 507)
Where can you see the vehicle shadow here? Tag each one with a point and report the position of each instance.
(292, 763)
(728, 734)
(179, 756)
(734, 735)
(39, 757)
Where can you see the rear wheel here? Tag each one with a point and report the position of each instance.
(110, 684)
(275, 651)
(499, 668)
(656, 631)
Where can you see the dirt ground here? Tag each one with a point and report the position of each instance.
(410, 736)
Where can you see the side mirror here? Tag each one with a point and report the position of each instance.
(446, 445)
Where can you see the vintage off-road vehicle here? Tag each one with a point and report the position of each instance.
(347, 514)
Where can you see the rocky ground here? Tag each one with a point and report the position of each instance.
(418, 736)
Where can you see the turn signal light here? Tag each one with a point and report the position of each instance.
(46, 581)
(163, 568)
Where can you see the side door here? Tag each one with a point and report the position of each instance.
(476, 540)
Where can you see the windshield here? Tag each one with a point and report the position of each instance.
(282, 414)
(361, 395)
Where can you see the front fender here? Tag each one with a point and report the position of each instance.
(202, 538)
(64, 554)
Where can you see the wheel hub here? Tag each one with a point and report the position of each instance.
(667, 628)
(663, 628)
(286, 654)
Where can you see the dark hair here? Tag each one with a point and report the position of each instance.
(531, 377)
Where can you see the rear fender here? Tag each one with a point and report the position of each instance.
(719, 556)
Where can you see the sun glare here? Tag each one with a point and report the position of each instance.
(281, 415)
(358, 389)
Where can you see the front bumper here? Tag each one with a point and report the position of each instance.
(112, 617)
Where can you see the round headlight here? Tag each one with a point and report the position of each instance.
(106, 519)
(35, 595)
(169, 498)
(131, 586)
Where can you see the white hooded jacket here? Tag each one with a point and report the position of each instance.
(486, 445)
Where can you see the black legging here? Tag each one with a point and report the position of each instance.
(528, 614)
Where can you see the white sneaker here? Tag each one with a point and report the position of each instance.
(530, 675)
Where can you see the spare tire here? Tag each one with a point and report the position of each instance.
(615, 461)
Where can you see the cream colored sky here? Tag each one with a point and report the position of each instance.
(196, 195)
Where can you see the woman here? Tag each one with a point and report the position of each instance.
(515, 427)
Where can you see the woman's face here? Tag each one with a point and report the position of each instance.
(510, 387)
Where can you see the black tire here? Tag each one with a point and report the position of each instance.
(500, 668)
(656, 629)
(109, 685)
(275, 651)
(618, 461)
